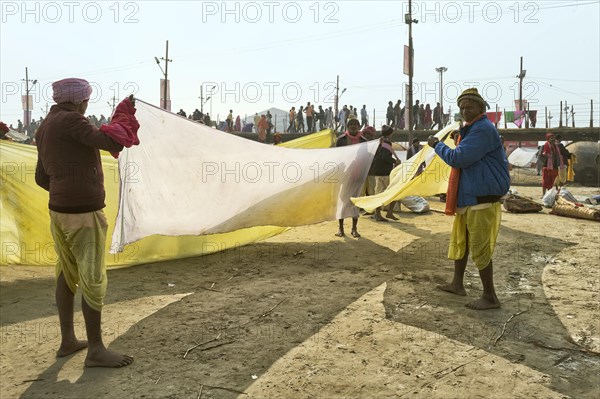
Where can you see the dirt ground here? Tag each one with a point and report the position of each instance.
(308, 315)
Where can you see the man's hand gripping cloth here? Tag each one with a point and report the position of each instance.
(124, 126)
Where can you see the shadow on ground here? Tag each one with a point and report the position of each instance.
(268, 298)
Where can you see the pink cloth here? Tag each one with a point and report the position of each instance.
(519, 118)
(552, 151)
(353, 139)
(123, 127)
(71, 90)
(387, 147)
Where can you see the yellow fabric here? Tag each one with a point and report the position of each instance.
(323, 139)
(561, 178)
(403, 183)
(80, 240)
(570, 170)
(25, 236)
(483, 226)
(369, 186)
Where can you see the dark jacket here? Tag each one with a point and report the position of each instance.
(412, 150)
(484, 175)
(343, 141)
(383, 162)
(69, 164)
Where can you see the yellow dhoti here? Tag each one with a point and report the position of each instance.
(79, 240)
(482, 223)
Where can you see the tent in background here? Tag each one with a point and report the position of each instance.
(523, 157)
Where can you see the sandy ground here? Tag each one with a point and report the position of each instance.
(309, 315)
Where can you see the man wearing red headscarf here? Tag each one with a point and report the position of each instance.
(551, 162)
(70, 169)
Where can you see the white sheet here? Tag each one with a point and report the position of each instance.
(188, 179)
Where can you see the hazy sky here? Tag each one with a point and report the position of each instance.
(281, 53)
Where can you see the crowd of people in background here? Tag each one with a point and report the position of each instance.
(31, 129)
(423, 117)
(196, 116)
(305, 119)
(310, 119)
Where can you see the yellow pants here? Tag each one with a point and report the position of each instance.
(562, 177)
(482, 226)
(368, 187)
(79, 239)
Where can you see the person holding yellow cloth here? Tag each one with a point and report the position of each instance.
(69, 167)
(479, 178)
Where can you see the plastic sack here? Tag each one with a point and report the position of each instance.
(566, 194)
(416, 204)
(549, 198)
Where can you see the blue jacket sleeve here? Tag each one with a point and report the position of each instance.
(473, 147)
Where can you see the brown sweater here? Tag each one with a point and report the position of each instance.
(69, 164)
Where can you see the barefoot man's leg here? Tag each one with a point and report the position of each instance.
(98, 355)
(457, 286)
(390, 211)
(64, 300)
(488, 299)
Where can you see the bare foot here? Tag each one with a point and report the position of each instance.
(66, 348)
(102, 357)
(483, 304)
(455, 289)
(391, 217)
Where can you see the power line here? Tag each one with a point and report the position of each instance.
(566, 80)
(559, 89)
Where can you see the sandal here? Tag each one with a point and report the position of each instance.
(355, 234)
(340, 234)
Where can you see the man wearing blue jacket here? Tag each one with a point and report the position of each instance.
(478, 180)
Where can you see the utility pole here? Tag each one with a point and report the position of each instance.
(27, 117)
(201, 100)
(409, 20)
(521, 76)
(591, 113)
(45, 111)
(337, 99)
(441, 70)
(112, 105)
(164, 102)
(205, 100)
(566, 115)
